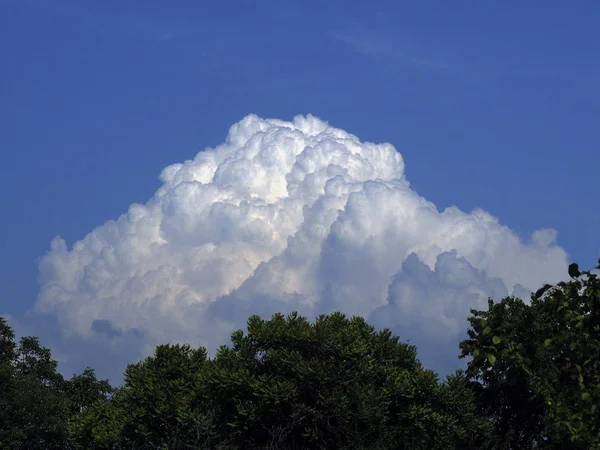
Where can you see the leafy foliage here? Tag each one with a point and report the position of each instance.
(35, 400)
(537, 367)
(288, 383)
(151, 408)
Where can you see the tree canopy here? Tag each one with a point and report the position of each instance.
(35, 400)
(287, 383)
(537, 366)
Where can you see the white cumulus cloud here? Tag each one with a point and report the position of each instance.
(284, 216)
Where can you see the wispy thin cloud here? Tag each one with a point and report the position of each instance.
(404, 50)
(383, 46)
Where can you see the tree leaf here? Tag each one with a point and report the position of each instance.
(541, 291)
(574, 270)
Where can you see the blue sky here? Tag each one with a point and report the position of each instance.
(492, 104)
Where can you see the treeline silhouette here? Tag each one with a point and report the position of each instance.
(532, 382)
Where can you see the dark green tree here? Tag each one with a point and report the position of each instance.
(336, 383)
(151, 410)
(34, 405)
(7, 371)
(85, 390)
(36, 402)
(287, 383)
(536, 367)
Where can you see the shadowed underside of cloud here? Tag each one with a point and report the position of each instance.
(283, 216)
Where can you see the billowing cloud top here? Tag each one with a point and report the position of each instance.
(287, 216)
